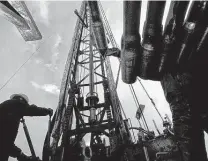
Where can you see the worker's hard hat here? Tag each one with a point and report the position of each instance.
(21, 96)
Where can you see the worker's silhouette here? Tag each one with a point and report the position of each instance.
(11, 112)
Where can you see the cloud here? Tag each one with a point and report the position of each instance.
(50, 88)
(55, 49)
(48, 65)
(38, 61)
(32, 46)
(53, 65)
(35, 84)
(58, 41)
(108, 13)
(44, 11)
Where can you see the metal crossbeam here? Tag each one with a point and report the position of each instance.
(101, 128)
(17, 13)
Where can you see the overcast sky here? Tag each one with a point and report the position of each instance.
(40, 78)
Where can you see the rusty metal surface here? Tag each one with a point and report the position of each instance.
(172, 33)
(194, 29)
(152, 41)
(161, 145)
(23, 21)
(130, 44)
(175, 49)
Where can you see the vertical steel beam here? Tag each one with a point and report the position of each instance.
(92, 98)
(91, 67)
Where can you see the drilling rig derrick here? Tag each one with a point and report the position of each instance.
(88, 101)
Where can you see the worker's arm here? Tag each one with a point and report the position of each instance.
(24, 109)
(33, 110)
(15, 152)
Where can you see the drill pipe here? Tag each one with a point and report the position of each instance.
(98, 28)
(152, 41)
(202, 35)
(198, 61)
(174, 23)
(130, 43)
(194, 28)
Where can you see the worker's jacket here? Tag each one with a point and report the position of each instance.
(11, 111)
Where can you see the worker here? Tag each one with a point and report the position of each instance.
(179, 91)
(11, 112)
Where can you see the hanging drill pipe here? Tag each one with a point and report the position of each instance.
(193, 31)
(201, 39)
(130, 44)
(199, 57)
(152, 41)
(171, 36)
(98, 28)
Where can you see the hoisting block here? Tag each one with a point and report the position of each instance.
(17, 13)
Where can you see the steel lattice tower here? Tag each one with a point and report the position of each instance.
(88, 101)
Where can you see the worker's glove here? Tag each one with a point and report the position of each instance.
(50, 111)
